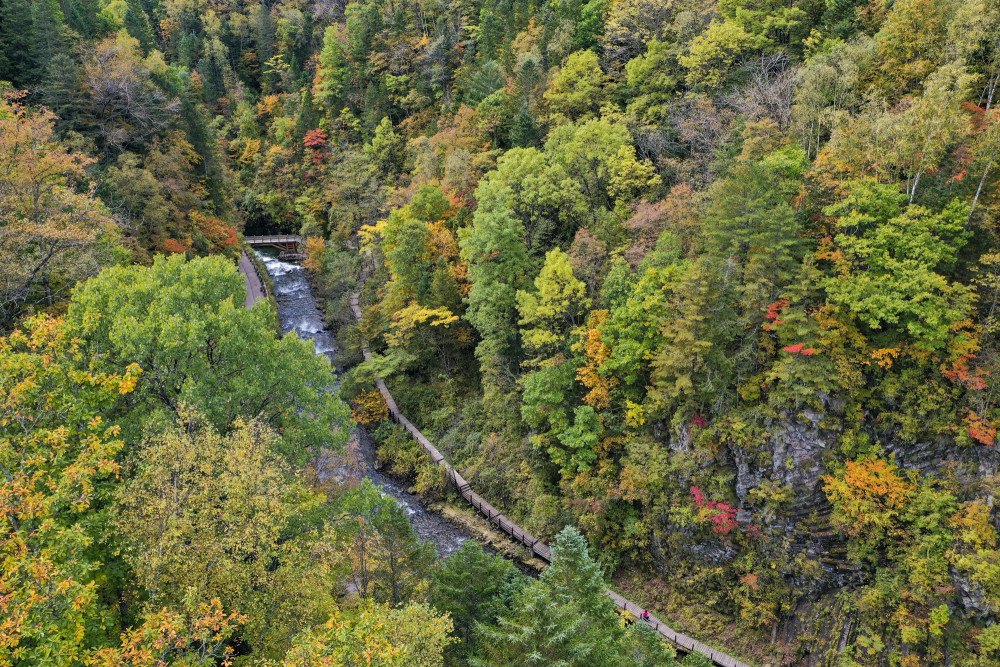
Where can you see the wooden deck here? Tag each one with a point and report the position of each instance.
(535, 546)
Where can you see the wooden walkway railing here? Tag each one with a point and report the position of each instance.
(535, 546)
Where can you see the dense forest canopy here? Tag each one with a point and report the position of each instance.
(711, 282)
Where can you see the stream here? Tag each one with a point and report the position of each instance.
(298, 312)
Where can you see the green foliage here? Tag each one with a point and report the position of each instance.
(655, 77)
(599, 156)
(493, 247)
(552, 314)
(720, 182)
(563, 618)
(771, 23)
(386, 149)
(182, 322)
(893, 260)
(576, 91)
(407, 459)
(713, 54)
(388, 562)
(473, 588)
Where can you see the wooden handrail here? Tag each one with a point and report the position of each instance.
(535, 546)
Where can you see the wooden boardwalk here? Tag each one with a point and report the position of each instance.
(535, 546)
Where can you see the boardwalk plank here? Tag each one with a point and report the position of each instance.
(535, 546)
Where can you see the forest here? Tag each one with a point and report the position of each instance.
(702, 292)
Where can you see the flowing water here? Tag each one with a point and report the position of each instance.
(298, 312)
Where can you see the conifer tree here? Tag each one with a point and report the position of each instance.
(18, 43)
(565, 618)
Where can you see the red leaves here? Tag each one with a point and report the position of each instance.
(699, 421)
(773, 311)
(723, 515)
(981, 430)
(315, 139)
(798, 348)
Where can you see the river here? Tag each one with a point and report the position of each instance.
(298, 312)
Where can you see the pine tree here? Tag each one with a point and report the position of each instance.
(563, 619)
(60, 92)
(475, 588)
(331, 75)
(201, 138)
(49, 40)
(137, 25)
(18, 43)
(305, 121)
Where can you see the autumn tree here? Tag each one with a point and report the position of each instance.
(58, 456)
(254, 549)
(375, 635)
(125, 106)
(53, 231)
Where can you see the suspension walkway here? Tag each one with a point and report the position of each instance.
(534, 546)
(256, 288)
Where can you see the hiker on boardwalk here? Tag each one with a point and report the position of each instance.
(645, 615)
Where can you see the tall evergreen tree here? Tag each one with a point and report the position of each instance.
(18, 64)
(565, 618)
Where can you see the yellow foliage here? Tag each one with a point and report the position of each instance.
(250, 149)
(370, 236)
(406, 321)
(315, 254)
(885, 356)
(871, 493)
(268, 105)
(596, 353)
(369, 409)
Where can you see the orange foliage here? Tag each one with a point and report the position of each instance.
(173, 246)
(442, 241)
(870, 494)
(597, 354)
(216, 231)
(981, 430)
(960, 372)
(885, 356)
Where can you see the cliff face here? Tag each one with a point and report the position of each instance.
(797, 456)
